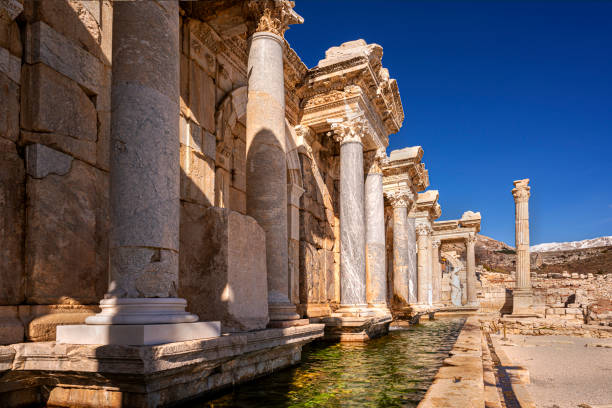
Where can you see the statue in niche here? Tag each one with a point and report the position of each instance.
(455, 285)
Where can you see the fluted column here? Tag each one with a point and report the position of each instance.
(522, 296)
(349, 134)
(144, 167)
(471, 270)
(400, 201)
(266, 174)
(437, 271)
(422, 263)
(376, 268)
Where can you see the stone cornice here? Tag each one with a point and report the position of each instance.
(355, 65)
(427, 206)
(404, 166)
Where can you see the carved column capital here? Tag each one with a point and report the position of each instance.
(521, 191)
(272, 16)
(435, 243)
(401, 198)
(373, 161)
(349, 130)
(471, 239)
(422, 230)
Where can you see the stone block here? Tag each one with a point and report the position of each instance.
(11, 328)
(46, 45)
(197, 177)
(239, 165)
(310, 269)
(9, 108)
(12, 224)
(202, 97)
(62, 230)
(237, 200)
(42, 161)
(103, 142)
(43, 328)
(10, 65)
(223, 272)
(55, 104)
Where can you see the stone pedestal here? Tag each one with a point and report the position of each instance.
(522, 296)
(471, 270)
(266, 163)
(144, 179)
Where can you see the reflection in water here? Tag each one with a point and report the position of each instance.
(392, 371)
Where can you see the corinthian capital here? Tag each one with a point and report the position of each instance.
(521, 190)
(349, 130)
(373, 161)
(273, 16)
(435, 243)
(422, 230)
(471, 238)
(401, 198)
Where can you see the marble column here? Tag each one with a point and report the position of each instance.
(422, 262)
(522, 295)
(437, 271)
(376, 265)
(400, 201)
(266, 165)
(144, 167)
(412, 260)
(471, 270)
(429, 274)
(349, 134)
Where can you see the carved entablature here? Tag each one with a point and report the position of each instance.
(349, 80)
(295, 71)
(426, 206)
(521, 191)
(458, 230)
(403, 169)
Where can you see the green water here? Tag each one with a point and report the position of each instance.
(392, 371)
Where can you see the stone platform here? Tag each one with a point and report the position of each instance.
(67, 375)
(355, 329)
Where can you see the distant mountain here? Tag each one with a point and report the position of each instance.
(566, 246)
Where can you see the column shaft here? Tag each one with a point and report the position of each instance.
(352, 228)
(471, 271)
(376, 275)
(266, 167)
(523, 275)
(144, 167)
(412, 260)
(422, 263)
(401, 283)
(437, 272)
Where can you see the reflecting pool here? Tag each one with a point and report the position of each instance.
(392, 371)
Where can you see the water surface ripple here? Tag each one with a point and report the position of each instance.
(392, 371)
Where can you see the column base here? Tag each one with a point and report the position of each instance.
(136, 334)
(522, 303)
(314, 309)
(142, 311)
(354, 311)
(282, 312)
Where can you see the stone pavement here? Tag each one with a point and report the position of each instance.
(564, 371)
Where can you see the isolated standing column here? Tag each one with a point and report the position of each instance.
(522, 295)
(266, 165)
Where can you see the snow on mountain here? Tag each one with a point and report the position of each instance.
(564, 246)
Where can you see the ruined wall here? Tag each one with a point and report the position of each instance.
(55, 60)
(319, 230)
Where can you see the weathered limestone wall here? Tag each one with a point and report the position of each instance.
(320, 229)
(54, 138)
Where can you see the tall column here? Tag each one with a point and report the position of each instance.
(471, 270)
(422, 262)
(144, 167)
(266, 174)
(522, 295)
(430, 268)
(352, 214)
(376, 265)
(437, 271)
(400, 200)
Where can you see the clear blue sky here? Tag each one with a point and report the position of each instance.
(494, 91)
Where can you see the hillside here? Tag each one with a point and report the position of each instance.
(497, 256)
(565, 246)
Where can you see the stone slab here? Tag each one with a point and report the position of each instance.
(355, 329)
(137, 334)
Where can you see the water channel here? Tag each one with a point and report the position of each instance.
(392, 371)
